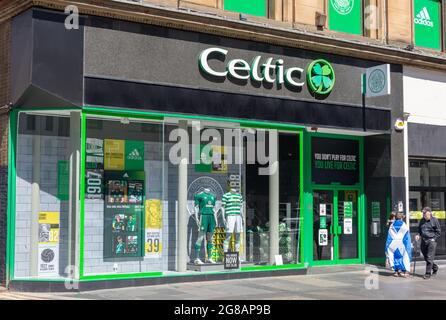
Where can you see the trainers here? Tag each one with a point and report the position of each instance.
(211, 261)
(198, 261)
(427, 276)
(404, 274)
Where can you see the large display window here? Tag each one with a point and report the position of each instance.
(126, 228)
(132, 187)
(99, 196)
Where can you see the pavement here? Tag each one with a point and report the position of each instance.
(354, 282)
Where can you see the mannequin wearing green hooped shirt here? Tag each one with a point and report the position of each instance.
(232, 203)
(204, 205)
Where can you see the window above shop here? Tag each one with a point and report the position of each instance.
(398, 22)
(425, 173)
(427, 23)
(252, 7)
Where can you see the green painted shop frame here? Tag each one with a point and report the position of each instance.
(306, 192)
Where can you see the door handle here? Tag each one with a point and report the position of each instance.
(331, 229)
(339, 230)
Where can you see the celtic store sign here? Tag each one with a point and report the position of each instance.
(320, 73)
(345, 16)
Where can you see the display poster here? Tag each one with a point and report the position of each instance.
(134, 155)
(63, 180)
(350, 196)
(376, 218)
(203, 156)
(94, 188)
(345, 16)
(219, 161)
(335, 161)
(48, 247)
(94, 173)
(124, 213)
(94, 153)
(235, 182)
(153, 228)
(231, 260)
(427, 23)
(323, 209)
(218, 239)
(323, 222)
(376, 211)
(348, 217)
(323, 237)
(114, 154)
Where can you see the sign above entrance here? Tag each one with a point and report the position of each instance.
(335, 161)
(320, 73)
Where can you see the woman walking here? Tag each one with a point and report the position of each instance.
(398, 247)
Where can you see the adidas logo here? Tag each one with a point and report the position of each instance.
(134, 155)
(424, 18)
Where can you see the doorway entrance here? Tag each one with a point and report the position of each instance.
(336, 226)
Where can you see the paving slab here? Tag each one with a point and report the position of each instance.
(323, 283)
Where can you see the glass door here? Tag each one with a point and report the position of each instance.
(323, 221)
(347, 224)
(335, 226)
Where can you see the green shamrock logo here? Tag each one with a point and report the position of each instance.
(320, 77)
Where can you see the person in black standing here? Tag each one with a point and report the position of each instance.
(429, 231)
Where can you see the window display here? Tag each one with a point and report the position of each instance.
(130, 205)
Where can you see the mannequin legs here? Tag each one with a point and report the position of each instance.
(228, 238)
(201, 236)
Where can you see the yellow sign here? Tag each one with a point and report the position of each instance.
(153, 227)
(49, 217)
(114, 154)
(219, 161)
(49, 227)
(418, 215)
(350, 196)
(154, 214)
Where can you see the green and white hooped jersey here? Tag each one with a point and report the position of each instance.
(232, 203)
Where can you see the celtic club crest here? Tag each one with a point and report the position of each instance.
(343, 7)
(320, 77)
(377, 81)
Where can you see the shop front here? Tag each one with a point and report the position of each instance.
(168, 155)
(426, 159)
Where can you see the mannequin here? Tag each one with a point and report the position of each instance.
(232, 204)
(205, 206)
